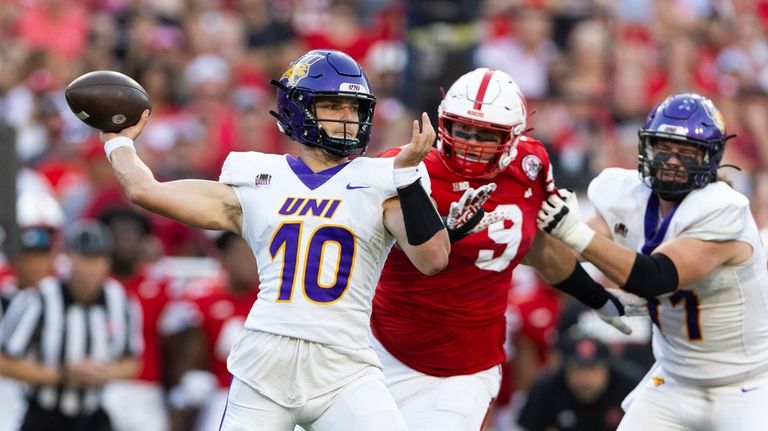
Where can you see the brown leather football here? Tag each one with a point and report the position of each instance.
(107, 100)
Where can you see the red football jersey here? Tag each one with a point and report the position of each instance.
(452, 323)
(153, 298)
(222, 316)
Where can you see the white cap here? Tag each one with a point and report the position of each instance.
(38, 209)
(206, 68)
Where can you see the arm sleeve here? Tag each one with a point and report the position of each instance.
(651, 276)
(426, 182)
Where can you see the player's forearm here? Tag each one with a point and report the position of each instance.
(551, 259)
(29, 371)
(613, 259)
(642, 275)
(123, 369)
(432, 256)
(134, 176)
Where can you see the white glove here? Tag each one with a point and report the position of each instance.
(490, 218)
(471, 203)
(559, 216)
(460, 215)
(633, 305)
(611, 313)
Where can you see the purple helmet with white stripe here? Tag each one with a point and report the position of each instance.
(323, 73)
(686, 118)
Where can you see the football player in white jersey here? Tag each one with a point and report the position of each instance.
(687, 242)
(320, 225)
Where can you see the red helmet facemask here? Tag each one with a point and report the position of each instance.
(473, 154)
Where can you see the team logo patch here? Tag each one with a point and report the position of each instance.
(460, 186)
(474, 113)
(669, 128)
(300, 69)
(620, 229)
(263, 179)
(714, 114)
(353, 88)
(531, 166)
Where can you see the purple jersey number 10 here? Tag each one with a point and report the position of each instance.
(288, 239)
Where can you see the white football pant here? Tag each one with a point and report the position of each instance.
(364, 404)
(661, 403)
(429, 403)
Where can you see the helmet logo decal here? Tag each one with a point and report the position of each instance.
(473, 113)
(714, 114)
(460, 186)
(482, 89)
(300, 68)
(531, 166)
(355, 88)
(669, 128)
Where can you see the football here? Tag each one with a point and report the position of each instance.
(107, 100)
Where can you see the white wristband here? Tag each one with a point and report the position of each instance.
(405, 176)
(579, 237)
(115, 143)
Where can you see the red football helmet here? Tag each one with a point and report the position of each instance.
(485, 99)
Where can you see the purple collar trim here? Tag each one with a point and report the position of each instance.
(311, 179)
(654, 234)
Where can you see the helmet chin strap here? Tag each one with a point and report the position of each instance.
(672, 191)
(507, 158)
(342, 142)
(672, 197)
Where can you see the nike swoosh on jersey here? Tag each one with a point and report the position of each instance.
(351, 187)
(749, 389)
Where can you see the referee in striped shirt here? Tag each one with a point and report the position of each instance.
(70, 336)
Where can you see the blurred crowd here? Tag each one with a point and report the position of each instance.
(590, 70)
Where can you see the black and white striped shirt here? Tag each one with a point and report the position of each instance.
(47, 325)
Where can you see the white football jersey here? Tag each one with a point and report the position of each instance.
(319, 240)
(714, 331)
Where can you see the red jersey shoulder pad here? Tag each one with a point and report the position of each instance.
(532, 145)
(392, 152)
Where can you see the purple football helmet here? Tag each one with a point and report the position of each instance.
(686, 118)
(323, 73)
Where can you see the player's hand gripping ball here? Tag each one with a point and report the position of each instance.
(106, 100)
